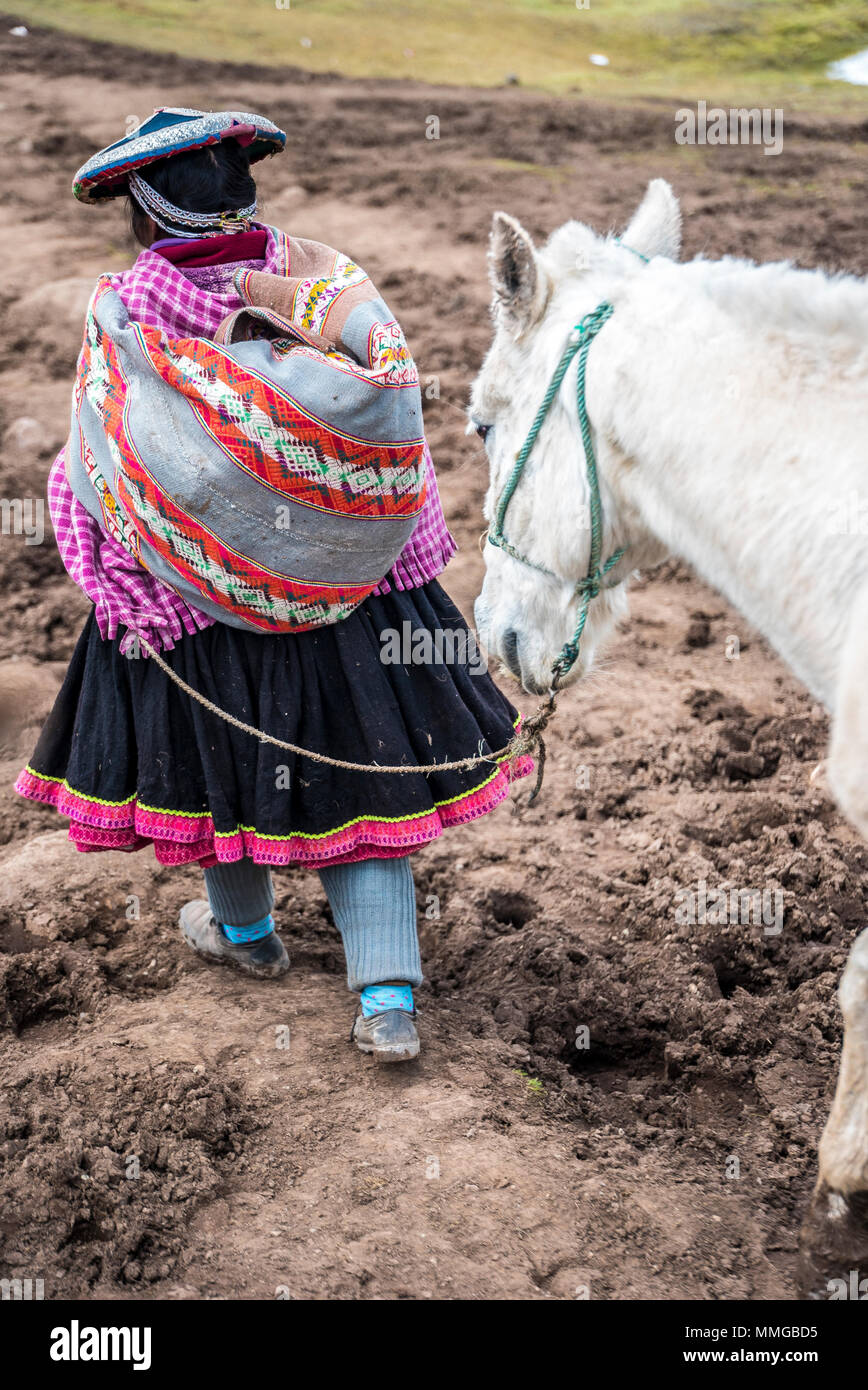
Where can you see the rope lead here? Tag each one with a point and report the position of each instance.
(578, 343)
(528, 737)
(523, 741)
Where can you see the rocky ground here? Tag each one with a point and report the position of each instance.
(158, 1138)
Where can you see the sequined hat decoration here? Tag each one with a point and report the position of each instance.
(172, 130)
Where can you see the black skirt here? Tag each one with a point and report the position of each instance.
(132, 760)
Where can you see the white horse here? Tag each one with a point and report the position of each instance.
(728, 404)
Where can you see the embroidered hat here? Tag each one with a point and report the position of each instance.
(172, 130)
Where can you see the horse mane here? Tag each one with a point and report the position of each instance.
(779, 296)
(784, 298)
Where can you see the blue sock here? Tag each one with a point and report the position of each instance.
(377, 998)
(245, 935)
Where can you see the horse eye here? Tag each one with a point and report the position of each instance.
(481, 430)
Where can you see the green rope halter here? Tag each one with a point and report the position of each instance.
(579, 342)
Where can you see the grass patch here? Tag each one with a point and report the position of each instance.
(533, 1083)
(766, 52)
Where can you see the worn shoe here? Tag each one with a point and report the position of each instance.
(390, 1036)
(264, 958)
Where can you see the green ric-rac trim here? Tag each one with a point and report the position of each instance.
(251, 829)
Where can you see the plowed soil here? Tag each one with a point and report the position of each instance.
(158, 1139)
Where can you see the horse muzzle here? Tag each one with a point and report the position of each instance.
(514, 656)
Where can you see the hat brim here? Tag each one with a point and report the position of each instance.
(105, 175)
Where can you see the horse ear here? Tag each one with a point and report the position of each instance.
(656, 226)
(513, 270)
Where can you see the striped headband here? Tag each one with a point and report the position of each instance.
(202, 224)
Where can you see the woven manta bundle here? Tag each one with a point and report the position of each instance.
(271, 476)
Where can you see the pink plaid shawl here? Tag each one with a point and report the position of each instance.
(191, 304)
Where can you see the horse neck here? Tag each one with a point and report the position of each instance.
(729, 447)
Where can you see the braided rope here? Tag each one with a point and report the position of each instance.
(528, 739)
(579, 342)
(524, 452)
(524, 741)
(590, 586)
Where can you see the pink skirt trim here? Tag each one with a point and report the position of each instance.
(184, 839)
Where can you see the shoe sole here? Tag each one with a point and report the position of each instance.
(390, 1054)
(257, 972)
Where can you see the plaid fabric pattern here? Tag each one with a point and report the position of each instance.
(123, 594)
(193, 304)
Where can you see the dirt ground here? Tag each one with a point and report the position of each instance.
(157, 1140)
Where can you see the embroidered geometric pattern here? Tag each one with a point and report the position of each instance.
(315, 297)
(126, 595)
(265, 418)
(223, 575)
(332, 461)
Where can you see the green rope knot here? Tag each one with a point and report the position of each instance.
(594, 582)
(591, 585)
(567, 659)
(591, 324)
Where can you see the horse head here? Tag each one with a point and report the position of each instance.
(528, 606)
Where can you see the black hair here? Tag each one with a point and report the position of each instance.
(216, 179)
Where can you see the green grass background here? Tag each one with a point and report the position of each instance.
(761, 51)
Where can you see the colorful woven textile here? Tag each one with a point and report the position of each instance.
(192, 302)
(272, 481)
